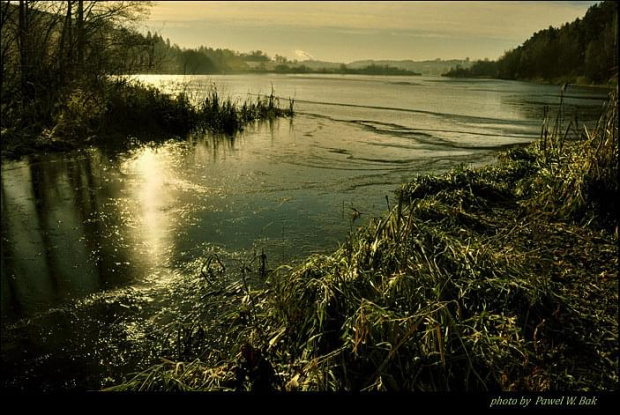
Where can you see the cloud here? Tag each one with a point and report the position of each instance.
(346, 30)
(303, 55)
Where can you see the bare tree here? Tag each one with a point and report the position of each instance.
(49, 47)
(8, 38)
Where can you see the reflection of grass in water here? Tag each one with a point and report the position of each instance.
(500, 278)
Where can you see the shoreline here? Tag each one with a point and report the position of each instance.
(559, 82)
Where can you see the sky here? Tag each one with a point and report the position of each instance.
(355, 30)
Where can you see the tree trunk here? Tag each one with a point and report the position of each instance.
(65, 51)
(6, 44)
(22, 43)
(80, 35)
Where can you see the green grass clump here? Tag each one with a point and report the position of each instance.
(478, 280)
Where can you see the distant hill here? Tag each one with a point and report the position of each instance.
(428, 67)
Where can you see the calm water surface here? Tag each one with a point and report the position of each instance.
(98, 245)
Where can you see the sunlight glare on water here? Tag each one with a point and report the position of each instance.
(151, 191)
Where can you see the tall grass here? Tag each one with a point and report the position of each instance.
(477, 280)
(578, 179)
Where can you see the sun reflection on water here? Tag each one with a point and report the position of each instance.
(152, 193)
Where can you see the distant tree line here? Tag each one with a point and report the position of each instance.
(478, 69)
(582, 51)
(168, 58)
(344, 70)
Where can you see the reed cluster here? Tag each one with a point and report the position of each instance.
(224, 115)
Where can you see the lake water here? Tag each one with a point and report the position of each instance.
(100, 247)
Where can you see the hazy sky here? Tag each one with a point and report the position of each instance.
(348, 31)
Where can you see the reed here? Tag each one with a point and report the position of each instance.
(578, 178)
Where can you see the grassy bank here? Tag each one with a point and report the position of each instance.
(113, 110)
(499, 278)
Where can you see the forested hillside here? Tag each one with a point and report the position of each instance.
(583, 51)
